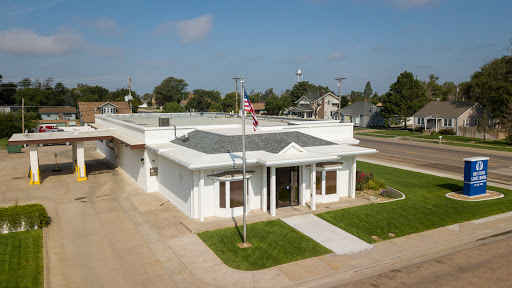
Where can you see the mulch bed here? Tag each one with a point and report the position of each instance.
(488, 196)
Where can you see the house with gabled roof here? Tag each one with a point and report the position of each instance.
(87, 110)
(362, 114)
(438, 115)
(316, 106)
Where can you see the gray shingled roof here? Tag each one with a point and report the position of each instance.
(212, 143)
(358, 108)
(444, 109)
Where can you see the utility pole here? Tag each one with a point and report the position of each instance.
(22, 115)
(457, 95)
(130, 93)
(236, 91)
(339, 96)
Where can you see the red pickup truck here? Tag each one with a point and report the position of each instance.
(49, 128)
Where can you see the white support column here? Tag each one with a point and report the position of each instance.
(272, 191)
(264, 189)
(352, 191)
(313, 187)
(338, 182)
(73, 159)
(34, 165)
(303, 178)
(80, 160)
(227, 194)
(323, 183)
(194, 207)
(201, 196)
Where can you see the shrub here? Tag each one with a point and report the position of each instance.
(419, 129)
(362, 179)
(390, 193)
(376, 184)
(23, 217)
(448, 131)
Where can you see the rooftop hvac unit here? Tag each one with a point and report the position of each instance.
(164, 122)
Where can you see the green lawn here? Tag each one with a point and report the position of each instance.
(273, 243)
(3, 143)
(21, 259)
(424, 208)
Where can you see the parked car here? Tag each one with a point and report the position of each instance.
(50, 128)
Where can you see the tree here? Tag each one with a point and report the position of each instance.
(405, 97)
(171, 90)
(11, 122)
(203, 100)
(228, 103)
(304, 87)
(25, 83)
(368, 91)
(491, 86)
(484, 123)
(37, 97)
(173, 107)
(272, 105)
(86, 93)
(7, 92)
(344, 102)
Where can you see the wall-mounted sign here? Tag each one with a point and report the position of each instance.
(475, 176)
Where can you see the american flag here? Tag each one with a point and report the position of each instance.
(248, 108)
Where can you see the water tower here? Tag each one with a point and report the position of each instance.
(299, 78)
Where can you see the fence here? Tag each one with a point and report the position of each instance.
(472, 132)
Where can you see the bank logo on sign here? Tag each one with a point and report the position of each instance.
(479, 165)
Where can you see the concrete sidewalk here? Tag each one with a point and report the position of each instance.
(328, 235)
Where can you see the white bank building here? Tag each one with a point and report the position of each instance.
(195, 161)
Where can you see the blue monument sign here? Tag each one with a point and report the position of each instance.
(475, 176)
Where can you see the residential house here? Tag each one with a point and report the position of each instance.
(87, 110)
(438, 115)
(316, 106)
(60, 116)
(362, 114)
(9, 108)
(259, 107)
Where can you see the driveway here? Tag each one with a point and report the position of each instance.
(100, 235)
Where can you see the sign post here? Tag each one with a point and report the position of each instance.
(475, 176)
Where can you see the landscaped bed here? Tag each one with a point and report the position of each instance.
(273, 243)
(424, 208)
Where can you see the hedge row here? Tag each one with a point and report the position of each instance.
(23, 217)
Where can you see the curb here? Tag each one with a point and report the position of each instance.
(347, 275)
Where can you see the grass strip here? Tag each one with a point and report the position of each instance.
(273, 243)
(424, 208)
(21, 259)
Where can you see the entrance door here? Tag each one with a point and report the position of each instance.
(287, 187)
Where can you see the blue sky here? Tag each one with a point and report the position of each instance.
(208, 42)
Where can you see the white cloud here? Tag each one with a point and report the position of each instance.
(19, 41)
(108, 26)
(335, 56)
(410, 4)
(188, 30)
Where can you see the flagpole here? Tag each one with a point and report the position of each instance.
(242, 102)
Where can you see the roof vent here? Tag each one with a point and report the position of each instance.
(163, 122)
(184, 138)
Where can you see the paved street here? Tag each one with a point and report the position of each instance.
(441, 159)
(481, 266)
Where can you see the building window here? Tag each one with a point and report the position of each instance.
(330, 182)
(465, 122)
(109, 110)
(447, 122)
(420, 121)
(476, 122)
(235, 194)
